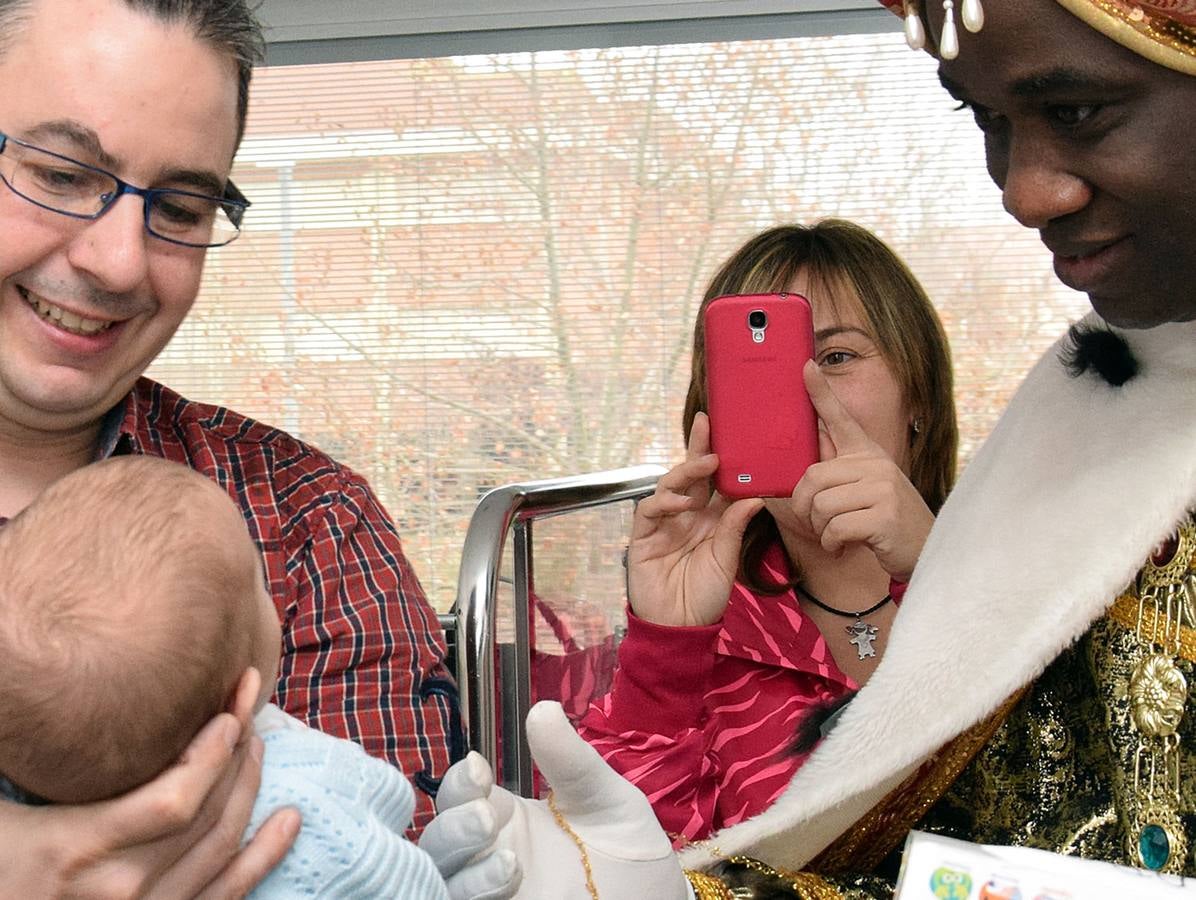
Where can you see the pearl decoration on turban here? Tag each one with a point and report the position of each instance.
(971, 12)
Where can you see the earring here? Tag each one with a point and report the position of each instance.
(916, 425)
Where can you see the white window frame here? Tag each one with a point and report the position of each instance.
(316, 31)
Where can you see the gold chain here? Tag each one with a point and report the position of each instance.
(581, 847)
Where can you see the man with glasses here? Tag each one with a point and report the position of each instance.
(118, 124)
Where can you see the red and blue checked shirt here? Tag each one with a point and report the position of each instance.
(363, 654)
(702, 719)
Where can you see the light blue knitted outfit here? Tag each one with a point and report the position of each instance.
(355, 809)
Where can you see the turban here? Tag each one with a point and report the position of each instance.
(1163, 31)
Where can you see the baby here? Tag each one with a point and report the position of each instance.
(131, 600)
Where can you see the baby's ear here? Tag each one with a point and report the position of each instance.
(244, 700)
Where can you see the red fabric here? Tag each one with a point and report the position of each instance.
(359, 639)
(576, 675)
(701, 719)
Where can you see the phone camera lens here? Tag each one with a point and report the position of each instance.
(757, 319)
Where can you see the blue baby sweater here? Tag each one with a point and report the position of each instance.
(355, 809)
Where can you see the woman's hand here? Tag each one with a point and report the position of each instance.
(685, 542)
(856, 494)
(177, 836)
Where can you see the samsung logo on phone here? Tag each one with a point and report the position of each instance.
(759, 359)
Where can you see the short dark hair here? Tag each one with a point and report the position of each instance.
(228, 26)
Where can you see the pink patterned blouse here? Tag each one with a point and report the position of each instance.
(702, 719)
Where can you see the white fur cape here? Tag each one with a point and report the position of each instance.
(1077, 483)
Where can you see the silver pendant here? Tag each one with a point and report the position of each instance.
(862, 635)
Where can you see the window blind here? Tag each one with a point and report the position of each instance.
(465, 271)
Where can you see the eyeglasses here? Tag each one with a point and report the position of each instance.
(64, 185)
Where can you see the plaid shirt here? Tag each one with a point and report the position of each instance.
(363, 655)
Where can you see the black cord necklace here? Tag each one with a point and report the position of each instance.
(862, 633)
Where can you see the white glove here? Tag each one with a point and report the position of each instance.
(462, 838)
(482, 828)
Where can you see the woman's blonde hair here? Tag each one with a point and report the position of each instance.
(843, 260)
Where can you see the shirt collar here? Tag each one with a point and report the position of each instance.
(118, 434)
(772, 629)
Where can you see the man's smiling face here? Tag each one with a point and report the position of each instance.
(85, 306)
(1093, 146)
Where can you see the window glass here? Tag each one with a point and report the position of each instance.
(462, 272)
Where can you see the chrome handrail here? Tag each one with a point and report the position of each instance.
(477, 583)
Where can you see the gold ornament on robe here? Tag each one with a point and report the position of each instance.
(1158, 693)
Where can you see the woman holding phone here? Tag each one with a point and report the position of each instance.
(752, 621)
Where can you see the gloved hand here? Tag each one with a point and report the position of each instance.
(463, 838)
(481, 828)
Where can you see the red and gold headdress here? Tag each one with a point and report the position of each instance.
(1163, 31)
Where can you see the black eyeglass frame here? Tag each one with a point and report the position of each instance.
(232, 200)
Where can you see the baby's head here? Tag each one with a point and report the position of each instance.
(131, 600)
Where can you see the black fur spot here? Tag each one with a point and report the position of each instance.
(1101, 350)
(810, 730)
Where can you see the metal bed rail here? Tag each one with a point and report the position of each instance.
(474, 615)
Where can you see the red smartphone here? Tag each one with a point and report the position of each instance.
(762, 424)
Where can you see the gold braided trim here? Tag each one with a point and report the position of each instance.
(1125, 613)
(814, 887)
(707, 887)
(808, 885)
(874, 835)
(1159, 39)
